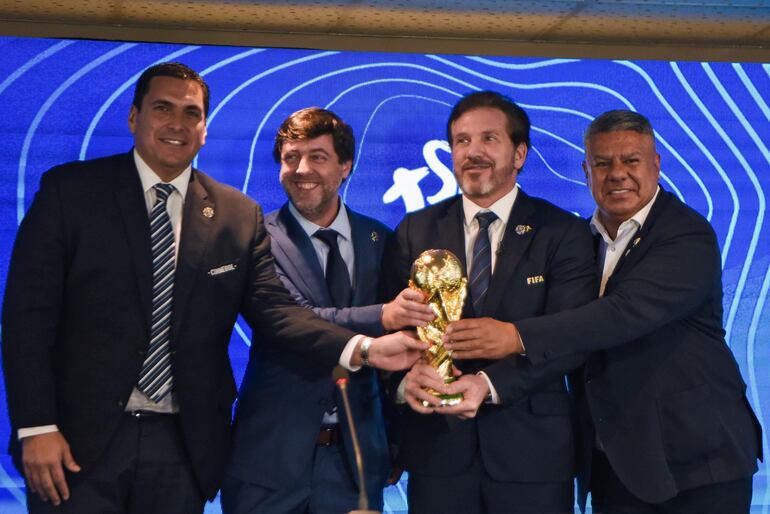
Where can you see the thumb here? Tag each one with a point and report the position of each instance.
(69, 461)
(410, 341)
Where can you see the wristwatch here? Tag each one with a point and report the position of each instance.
(364, 352)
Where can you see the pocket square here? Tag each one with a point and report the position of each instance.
(222, 269)
(535, 279)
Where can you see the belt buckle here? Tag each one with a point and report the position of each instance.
(327, 436)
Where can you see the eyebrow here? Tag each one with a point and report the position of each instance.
(635, 153)
(312, 150)
(163, 101)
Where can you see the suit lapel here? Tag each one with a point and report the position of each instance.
(635, 246)
(452, 222)
(599, 261)
(450, 233)
(194, 239)
(364, 256)
(301, 257)
(519, 232)
(136, 223)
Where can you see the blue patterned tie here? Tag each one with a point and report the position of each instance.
(481, 265)
(337, 276)
(155, 380)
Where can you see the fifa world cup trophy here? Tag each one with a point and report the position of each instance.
(440, 276)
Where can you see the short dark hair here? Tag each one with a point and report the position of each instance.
(314, 122)
(169, 69)
(518, 121)
(616, 120)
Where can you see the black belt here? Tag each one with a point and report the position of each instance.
(146, 414)
(328, 435)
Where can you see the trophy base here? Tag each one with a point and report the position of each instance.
(447, 400)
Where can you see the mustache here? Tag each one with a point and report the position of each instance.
(472, 163)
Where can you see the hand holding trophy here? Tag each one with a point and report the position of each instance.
(439, 275)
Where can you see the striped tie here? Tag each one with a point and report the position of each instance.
(155, 380)
(481, 265)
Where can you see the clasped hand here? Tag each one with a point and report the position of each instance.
(474, 389)
(481, 338)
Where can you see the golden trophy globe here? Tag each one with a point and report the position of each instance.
(439, 275)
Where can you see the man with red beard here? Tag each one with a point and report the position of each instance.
(509, 445)
(292, 449)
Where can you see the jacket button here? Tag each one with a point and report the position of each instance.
(121, 403)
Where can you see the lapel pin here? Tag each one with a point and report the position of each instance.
(633, 245)
(208, 212)
(375, 237)
(523, 229)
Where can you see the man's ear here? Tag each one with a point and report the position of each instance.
(519, 156)
(132, 114)
(346, 167)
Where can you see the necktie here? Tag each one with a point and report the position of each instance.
(481, 265)
(155, 379)
(338, 282)
(337, 276)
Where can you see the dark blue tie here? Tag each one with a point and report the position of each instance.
(481, 265)
(155, 378)
(337, 276)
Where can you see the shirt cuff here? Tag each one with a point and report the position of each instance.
(492, 391)
(401, 392)
(347, 353)
(30, 431)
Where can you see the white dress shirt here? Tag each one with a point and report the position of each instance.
(610, 250)
(341, 225)
(502, 209)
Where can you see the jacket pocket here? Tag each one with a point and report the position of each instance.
(554, 403)
(689, 425)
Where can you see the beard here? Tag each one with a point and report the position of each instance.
(479, 187)
(314, 205)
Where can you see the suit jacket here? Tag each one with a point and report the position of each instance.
(529, 437)
(77, 309)
(282, 399)
(661, 387)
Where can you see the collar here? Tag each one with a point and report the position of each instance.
(149, 178)
(636, 221)
(502, 207)
(341, 223)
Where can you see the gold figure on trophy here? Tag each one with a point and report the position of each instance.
(439, 275)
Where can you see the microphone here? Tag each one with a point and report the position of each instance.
(340, 376)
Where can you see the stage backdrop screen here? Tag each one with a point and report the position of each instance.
(64, 100)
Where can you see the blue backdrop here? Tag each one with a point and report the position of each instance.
(64, 100)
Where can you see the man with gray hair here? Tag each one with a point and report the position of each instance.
(666, 426)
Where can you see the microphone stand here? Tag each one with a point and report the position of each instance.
(341, 379)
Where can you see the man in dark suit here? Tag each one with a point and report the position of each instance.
(126, 278)
(292, 450)
(508, 446)
(665, 421)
